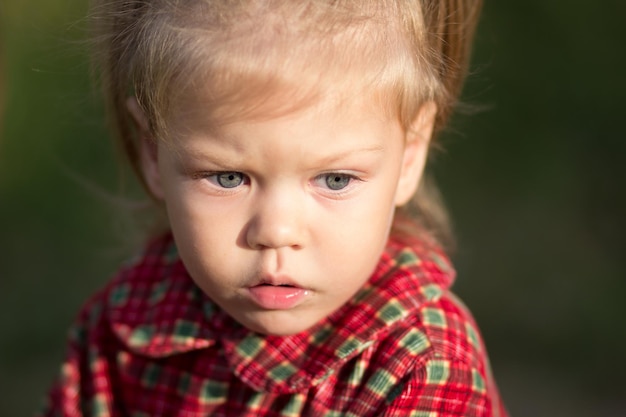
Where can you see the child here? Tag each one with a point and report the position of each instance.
(281, 137)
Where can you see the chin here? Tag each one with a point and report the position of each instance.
(278, 325)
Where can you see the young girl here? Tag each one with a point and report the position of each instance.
(282, 138)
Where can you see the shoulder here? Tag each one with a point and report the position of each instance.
(444, 386)
(452, 330)
(434, 356)
(440, 330)
(151, 308)
(138, 281)
(422, 276)
(438, 363)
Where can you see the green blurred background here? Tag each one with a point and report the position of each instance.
(535, 182)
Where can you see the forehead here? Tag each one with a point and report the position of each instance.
(322, 110)
(322, 135)
(271, 64)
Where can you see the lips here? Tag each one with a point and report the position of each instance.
(277, 294)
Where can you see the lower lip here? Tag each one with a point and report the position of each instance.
(272, 297)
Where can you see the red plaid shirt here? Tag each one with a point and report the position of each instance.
(152, 344)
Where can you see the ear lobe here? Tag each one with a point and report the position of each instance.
(416, 146)
(147, 149)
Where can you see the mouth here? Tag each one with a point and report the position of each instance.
(276, 285)
(277, 294)
(270, 280)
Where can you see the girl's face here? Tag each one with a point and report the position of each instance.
(281, 221)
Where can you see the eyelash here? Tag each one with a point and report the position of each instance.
(212, 178)
(321, 179)
(324, 178)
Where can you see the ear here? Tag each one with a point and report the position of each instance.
(417, 141)
(147, 149)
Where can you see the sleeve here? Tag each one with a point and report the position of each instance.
(442, 388)
(83, 387)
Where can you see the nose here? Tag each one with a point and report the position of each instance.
(278, 221)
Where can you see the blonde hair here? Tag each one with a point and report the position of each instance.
(402, 52)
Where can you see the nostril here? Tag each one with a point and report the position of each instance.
(274, 227)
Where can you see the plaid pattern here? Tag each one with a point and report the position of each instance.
(152, 344)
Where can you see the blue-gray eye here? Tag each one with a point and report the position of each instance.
(337, 181)
(229, 179)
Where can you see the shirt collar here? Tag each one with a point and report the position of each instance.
(156, 310)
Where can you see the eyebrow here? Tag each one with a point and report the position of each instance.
(216, 158)
(219, 158)
(348, 153)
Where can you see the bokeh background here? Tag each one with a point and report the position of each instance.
(535, 181)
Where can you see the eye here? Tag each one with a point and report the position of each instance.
(229, 179)
(337, 181)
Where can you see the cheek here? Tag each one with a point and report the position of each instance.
(204, 232)
(362, 225)
(206, 243)
(378, 204)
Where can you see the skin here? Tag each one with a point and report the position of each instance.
(305, 200)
